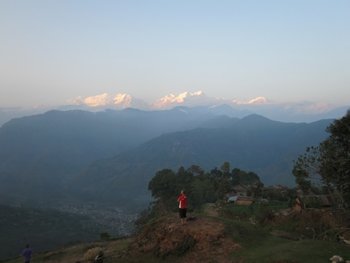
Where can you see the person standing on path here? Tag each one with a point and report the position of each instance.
(27, 254)
(182, 199)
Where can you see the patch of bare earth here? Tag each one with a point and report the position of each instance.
(199, 240)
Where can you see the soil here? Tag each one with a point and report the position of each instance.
(199, 240)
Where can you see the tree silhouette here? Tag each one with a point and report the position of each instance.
(328, 165)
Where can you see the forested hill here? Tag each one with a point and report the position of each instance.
(39, 154)
(63, 155)
(254, 143)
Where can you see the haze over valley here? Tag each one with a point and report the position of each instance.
(98, 164)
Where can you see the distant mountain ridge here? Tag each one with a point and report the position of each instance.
(293, 111)
(40, 153)
(298, 111)
(69, 154)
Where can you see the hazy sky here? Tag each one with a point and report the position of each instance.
(55, 50)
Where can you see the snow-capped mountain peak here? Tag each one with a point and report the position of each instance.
(185, 98)
(123, 99)
(93, 101)
(258, 100)
(105, 100)
(232, 107)
(255, 101)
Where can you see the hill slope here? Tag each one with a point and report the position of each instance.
(204, 239)
(40, 154)
(254, 143)
(44, 230)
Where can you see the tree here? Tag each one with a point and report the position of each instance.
(244, 178)
(163, 184)
(306, 170)
(335, 157)
(196, 170)
(225, 168)
(200, 187)
(164, 188)
(328, 165)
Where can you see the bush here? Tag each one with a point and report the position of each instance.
(90, 255)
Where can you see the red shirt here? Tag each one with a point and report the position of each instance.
(182, 199)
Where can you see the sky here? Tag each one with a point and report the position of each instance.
(52, 51)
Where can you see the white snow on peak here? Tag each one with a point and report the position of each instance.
(93, 101)
(255, 101)
(119, 100)
(180, 99)
(258, 100)
(261, 105)
(189, 99)
(198, 93)
(123, 99)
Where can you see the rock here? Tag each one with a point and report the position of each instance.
(336, 259)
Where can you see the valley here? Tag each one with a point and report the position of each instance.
(96, 167)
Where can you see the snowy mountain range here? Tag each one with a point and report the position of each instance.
(292, 112)
(188, 99)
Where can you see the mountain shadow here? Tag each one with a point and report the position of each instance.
(40, 154)
(253, 143)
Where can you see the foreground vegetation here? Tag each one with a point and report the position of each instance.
(267, 236)
(255, 235)
(326, 168)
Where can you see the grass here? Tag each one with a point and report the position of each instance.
(260, 246)
(258, 243)
(243, 232)
(274, 249)
(255, 210)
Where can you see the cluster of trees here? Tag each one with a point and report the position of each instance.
(326, 168)
(200, 186)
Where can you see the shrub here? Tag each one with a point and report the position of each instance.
(90, 255)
